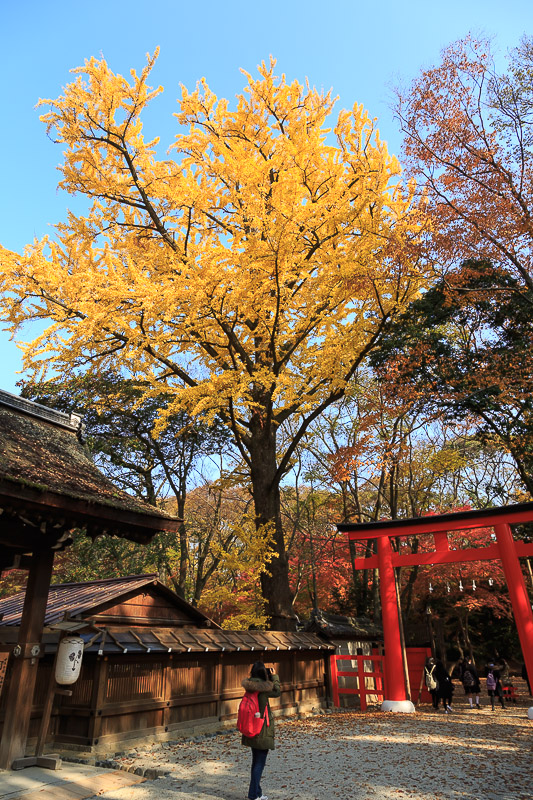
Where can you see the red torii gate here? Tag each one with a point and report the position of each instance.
(504, 548)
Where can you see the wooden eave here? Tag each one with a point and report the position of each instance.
(135, 641)
(65, 512)
(49, 485)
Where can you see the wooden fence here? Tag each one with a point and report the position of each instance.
(365, 683)
(125, 697)
(365, 677)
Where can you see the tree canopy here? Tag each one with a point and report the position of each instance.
(249, 273)
(468, 141)
(468, 342)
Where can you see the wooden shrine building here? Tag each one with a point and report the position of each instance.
(50, 486)
(349, 635)
(155, 667)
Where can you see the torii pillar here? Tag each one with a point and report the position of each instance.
(516, 585)
(396, 695)
(505, 549)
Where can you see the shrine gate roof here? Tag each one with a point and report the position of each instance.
(456, 520)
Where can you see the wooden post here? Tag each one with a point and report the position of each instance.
(167, 666)
(24, 674)
(294, 692)
(402, 636)
(328, 698)
(379, 682)
(518, 592)
(51, 692)
(361, 681)
(420, 688)
(218, 685)
(334, 680)
(97, 700)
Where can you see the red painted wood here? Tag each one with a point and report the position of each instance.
(334, 681)
(361, 682)
(441, 541)
(523, 550)
(360, 674)
(391, 626)
(505, 549)
(517, 591)
(416, 660)
(367, 674)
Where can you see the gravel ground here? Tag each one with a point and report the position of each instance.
(477, 755)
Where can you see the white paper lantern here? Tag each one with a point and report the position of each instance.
(69, 656)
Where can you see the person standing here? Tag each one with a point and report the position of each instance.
(264, 681)
(526, 677)
(430, 680)
(445, 690)
(494, 685)
(470, 681)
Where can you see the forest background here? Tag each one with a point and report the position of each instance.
(436, 417)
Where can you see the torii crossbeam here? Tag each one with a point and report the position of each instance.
(504, 548)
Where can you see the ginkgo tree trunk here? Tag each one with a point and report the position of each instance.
(250, 272)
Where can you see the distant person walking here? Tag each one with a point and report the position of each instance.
(470, 680)
(526, 678)
(494, 685)
(266, 683)
(446, 688)
(505, 672)
(430, 679)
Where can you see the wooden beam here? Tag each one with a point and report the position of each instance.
(167, 691)
(492, 552)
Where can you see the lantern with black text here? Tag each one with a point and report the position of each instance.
(69, 657)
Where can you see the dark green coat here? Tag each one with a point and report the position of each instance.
(266, 689)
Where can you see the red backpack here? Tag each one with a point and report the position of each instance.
(249, 719)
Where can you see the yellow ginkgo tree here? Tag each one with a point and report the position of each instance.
(250, 272)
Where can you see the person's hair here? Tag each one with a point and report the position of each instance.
(259, 671)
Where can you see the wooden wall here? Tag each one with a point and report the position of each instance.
(149, 608)
(118, 699)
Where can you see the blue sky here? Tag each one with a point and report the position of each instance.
(359, 50)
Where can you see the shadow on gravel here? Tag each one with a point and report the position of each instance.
(371, 756)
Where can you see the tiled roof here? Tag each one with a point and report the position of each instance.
(337, 626)
(79, 599)
(193, 640)
(41, 456)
